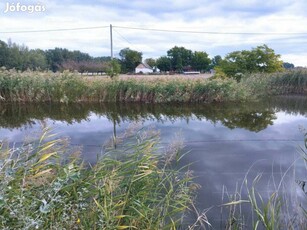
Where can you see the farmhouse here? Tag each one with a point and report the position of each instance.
(143, 68)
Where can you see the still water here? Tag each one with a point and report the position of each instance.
(226, 142)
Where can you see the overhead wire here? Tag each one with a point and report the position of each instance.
(156, 30)
(211, 32)
(52, 30)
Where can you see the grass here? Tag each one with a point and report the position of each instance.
(133, 187)
(44, 185)
(273, 212)
(284, 83)
(67, 87)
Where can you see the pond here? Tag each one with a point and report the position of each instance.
(226, 142)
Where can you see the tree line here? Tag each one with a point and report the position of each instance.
(177, 59)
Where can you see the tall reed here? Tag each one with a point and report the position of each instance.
(273, 212)
(133, 187)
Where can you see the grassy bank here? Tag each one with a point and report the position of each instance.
(134, 187)
(69, 87)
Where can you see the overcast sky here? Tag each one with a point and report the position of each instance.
(222, 16)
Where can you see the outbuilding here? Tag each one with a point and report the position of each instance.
(143, 68)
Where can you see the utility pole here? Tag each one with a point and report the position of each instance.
(111, 39)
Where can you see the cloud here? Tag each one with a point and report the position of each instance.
(215, 16)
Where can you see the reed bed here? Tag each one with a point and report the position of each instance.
(70, 87)
(293, 82)
(133, 187)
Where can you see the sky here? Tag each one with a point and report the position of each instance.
(222, 26)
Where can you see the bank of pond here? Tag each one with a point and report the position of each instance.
(69, 87)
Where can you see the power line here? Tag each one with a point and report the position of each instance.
(209, 32)
(52, 30)
(155, 30)
(126, 40)
(123, 37)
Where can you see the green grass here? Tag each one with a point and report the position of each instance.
(133, 187)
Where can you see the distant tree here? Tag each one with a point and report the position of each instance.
(129, 59)
(180, 57)
(103, 59)
(164, 63)
(113, 68)
(58, 56)
(21, 57)
(288, 65)
(55, 58)
(215, 61)
(151, 62)
(37, 60)
(4, 52)
(200, 61)
(259, 59)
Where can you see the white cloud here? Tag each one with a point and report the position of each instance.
(217, 16)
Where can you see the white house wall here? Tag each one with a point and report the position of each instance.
(138, 70)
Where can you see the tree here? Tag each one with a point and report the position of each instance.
(180, 58)
(215, 61)
(288, 65)
(200, 61)
(260, 59)
(130, 59)
(4, 52)
(113, 69)
(37, 60)
(55, 58)
(164, 63)
(151, 62)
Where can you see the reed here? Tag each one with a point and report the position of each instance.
(133, 187)
(275, 211)
(69, 87)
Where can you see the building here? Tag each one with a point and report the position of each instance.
(143, 68)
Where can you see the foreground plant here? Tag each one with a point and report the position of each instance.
(269, 213)
(134, 187)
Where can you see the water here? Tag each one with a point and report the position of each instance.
(227, 142)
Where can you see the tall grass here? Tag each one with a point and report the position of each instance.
(69, 87)
(135, 187)
(273, 212)
(284, 83)
(66, 87)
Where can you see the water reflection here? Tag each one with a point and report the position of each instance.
(254, 116)
(225, 141)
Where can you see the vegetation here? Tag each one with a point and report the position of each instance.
(113, 69)
(129, 59)
(44, 185)
(20, 57)
(273, 212)
(136, 186)
(67, 87)
(261, 59)
(180, 59)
